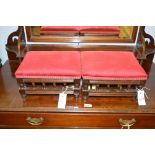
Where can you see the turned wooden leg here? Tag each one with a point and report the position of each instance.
(22, 92)
(21, 88)
(77, 89)
(85, 90)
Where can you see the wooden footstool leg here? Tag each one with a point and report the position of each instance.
(77, 89)
(85, 91)
(21, 88)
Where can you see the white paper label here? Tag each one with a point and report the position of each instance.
(141, 97)
(62, 100)
(88, 105)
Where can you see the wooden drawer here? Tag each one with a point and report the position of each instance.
(73, 120)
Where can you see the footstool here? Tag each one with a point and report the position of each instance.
(49, 72)
(111, 73)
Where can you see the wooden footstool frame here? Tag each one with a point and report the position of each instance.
(110, 88)
(48, 86)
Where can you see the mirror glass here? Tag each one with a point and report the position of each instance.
(81, 33)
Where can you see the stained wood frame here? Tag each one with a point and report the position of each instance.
(29, 86)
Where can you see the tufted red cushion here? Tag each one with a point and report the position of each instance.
(50, 64)
(82, 29)
(110, 65)
(100, 29)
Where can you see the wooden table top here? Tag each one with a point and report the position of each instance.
(10, 99)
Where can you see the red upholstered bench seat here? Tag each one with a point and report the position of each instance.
(111, 65)
(81, 29)
(50, 64)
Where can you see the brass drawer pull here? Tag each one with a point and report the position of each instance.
(35, 121)
(127, 123)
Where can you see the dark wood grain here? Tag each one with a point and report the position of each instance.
(74, 120)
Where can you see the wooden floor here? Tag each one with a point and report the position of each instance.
(10, 99)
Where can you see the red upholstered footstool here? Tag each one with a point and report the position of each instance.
(49, 72)
(111, 73)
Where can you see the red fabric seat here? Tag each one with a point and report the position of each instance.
(50, 64)
(110, 65)
(82, 29)
(59, 29)
(100, 29)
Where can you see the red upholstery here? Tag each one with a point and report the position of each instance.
(59, 29)
(110, 65)
(100, 29)
(82, 29)
(50, 64)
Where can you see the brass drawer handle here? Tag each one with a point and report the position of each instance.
(35, 121)
(127, 123)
